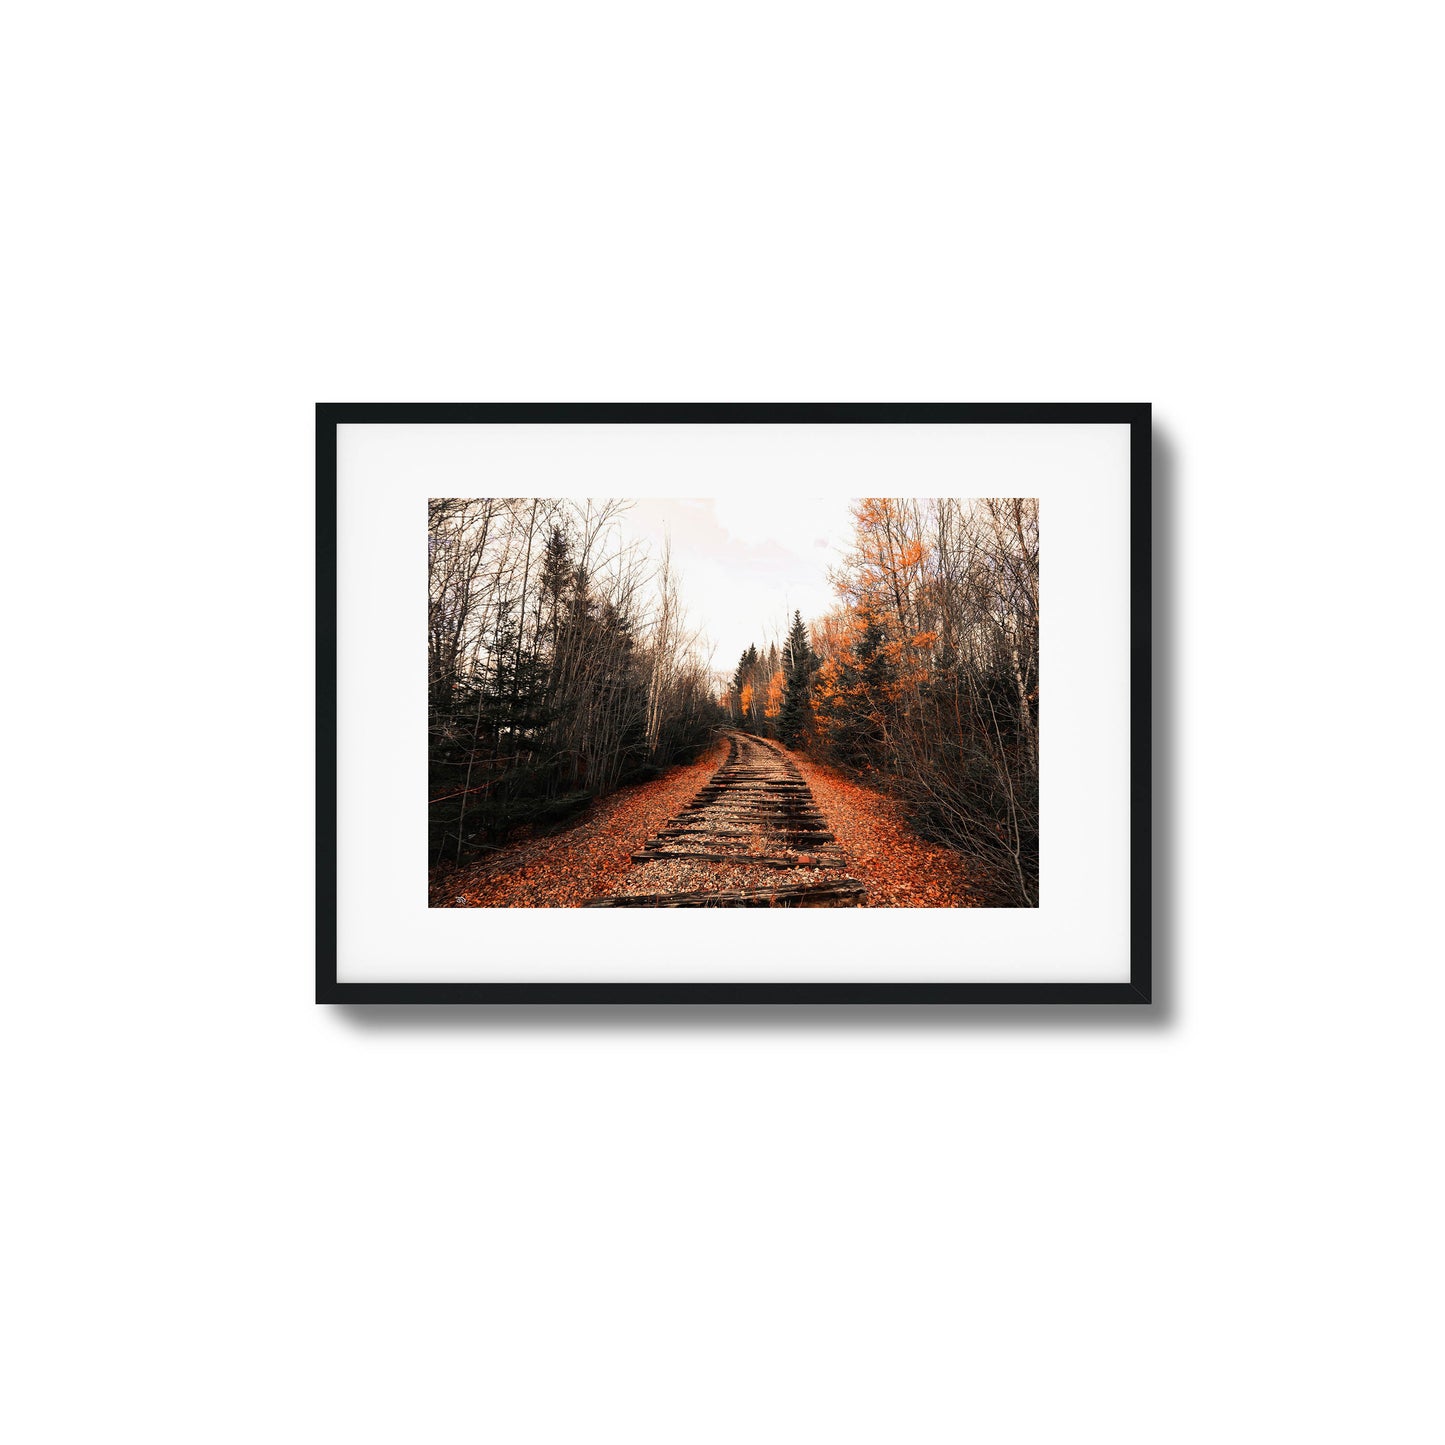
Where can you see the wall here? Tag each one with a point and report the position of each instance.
(236, 1216)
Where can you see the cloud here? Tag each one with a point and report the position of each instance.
(747, 563)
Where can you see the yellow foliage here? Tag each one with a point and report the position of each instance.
(773, 704)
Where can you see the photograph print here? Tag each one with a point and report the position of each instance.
(707, 703)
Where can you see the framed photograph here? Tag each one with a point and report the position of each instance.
(733, 704)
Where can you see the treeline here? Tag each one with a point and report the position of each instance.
(559, 666)
(769, 690)
(926, 676)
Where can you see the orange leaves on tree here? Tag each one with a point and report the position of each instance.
(773, 703)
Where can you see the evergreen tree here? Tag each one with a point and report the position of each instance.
(745, 685)
(740, 676)
(798, 667)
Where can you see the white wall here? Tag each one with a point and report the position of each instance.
(235, 1216)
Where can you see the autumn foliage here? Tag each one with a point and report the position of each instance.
(559, 668)
(925, 677)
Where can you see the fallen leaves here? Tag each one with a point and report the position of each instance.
(594, 858)
(901, 869)
(588, 860)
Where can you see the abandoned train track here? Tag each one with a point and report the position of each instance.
(751, 838)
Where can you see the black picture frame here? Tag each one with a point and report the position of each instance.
(329, 989)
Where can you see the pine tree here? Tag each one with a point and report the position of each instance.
(798, 667)
(745, 679)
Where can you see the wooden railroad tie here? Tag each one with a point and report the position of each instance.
(792, 838)
(762, 860)
(785, 895)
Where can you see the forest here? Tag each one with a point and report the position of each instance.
(561, 666)
(925, 676)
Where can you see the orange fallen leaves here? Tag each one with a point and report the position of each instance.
(587, 861)
(901, 869)
(593, 858)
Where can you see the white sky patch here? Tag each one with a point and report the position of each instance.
(744, 567)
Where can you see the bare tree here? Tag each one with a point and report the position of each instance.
(930, 673)
(559, 664)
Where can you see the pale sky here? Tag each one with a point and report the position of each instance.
(743, 567)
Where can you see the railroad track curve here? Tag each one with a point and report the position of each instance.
(752, 837)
